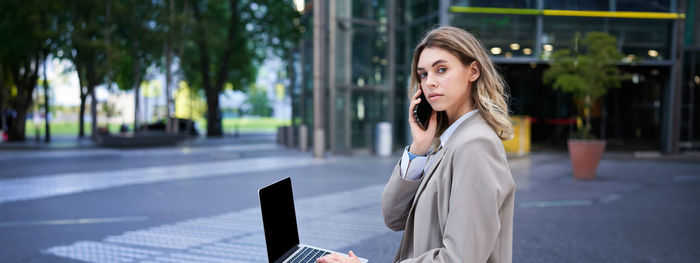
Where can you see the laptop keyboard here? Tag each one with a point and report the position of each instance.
(308, 255)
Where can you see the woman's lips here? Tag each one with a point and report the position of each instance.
(434, 96)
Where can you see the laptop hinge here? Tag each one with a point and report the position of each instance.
(287, 254)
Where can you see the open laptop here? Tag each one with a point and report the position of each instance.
(280, 224)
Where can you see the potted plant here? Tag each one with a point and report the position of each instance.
(586, 75)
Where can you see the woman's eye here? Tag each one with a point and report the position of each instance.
(441, 70)
(422, 75)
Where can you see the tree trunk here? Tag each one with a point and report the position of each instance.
(213, 115)
(81, 120)
(137, 94)
(168, 63)
(36, 112)
(108, 60)
(587, 113)
(3, 120)
(93, 111)
(83, 97)
(17, 125)
(212, 91)
(25, 76)
(92, 81)
(168, 82)
(47, 137)
(137, 91)
(146, 116)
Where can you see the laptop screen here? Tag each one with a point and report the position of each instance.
(279, 218)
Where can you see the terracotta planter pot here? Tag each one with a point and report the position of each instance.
(585, 156)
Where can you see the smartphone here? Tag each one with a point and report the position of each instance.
(422, 112)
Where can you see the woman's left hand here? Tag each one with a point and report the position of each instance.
(336, 258)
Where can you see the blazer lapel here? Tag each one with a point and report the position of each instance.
(434, 163)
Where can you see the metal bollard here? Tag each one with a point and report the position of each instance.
(290, 136)
(303, 138)
(280, 135)
(383, 139)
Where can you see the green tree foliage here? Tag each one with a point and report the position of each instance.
(137, 41)
(140, 32)
(215, 42)
(228, 40)
(587, 75)
(258, 101)
(84, 27)
(28, 28)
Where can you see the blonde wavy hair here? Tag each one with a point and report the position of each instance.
(488, 91)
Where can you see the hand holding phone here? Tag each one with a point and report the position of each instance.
(423, 123)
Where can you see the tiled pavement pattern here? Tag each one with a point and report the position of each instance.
(332, 221)
(18, 189)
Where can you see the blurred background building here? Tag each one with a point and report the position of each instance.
(364, 48)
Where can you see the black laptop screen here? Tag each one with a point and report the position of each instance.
(279, 218)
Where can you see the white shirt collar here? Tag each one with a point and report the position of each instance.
(450, 130)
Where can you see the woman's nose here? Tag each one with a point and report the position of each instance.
(430, 81)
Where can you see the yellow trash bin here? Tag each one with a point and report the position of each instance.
(520, 144)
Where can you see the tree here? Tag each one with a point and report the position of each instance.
(85, 46)
(5, 84)
(28, 25)
(137, 45)
(588, 75)
(228, 40)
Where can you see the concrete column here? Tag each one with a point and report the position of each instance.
(443, 12)
(319, 83)
(347, 78)
(302, 100)
(670, 128)
(332, 26)
(391, 68)
(538, 32)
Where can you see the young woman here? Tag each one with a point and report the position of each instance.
(452, 192)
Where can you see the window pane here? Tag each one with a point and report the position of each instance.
(368, 55)
(646, 39)
(368, 9)
(597, 5)
(410, 10)
(503, 35)
(644, 5)
(502, 4)
(560, 32)
(639, 39)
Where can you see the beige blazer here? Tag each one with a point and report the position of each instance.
(461, 211)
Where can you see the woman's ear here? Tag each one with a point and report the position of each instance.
(474, 71)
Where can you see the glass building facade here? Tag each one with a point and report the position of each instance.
(368, 44)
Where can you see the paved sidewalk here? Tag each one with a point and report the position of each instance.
(197, 203)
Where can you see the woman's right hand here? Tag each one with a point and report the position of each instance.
(422, 139)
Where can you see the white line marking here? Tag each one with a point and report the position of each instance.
(18, 189)
(557, 203)
(75, 221)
